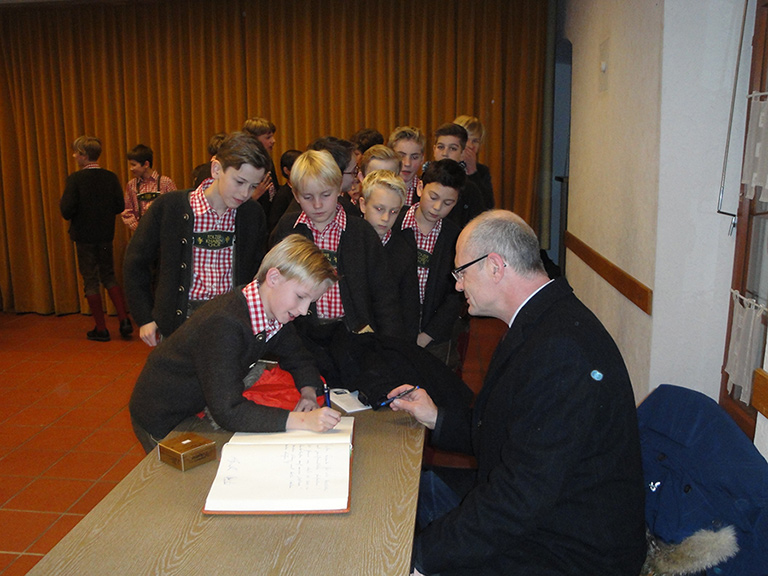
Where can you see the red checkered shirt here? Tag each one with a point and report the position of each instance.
(411, 197)
(386, 237)
(259, 321)
(211, 265)
(425, 246)
(135, 208)
(329, 305)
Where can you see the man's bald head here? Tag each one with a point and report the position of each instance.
(507, 234)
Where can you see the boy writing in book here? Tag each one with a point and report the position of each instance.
(433, 307)
(205, 362)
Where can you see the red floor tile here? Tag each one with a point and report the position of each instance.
(22, 565)
(49, 495)
(86, 416)
(19, 529)
(56, 437)
(27, 462)
(12, 435)
(56, 532)
(39, 415)
(83, 465)
(11, 485)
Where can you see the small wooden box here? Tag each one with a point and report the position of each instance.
(186, 451)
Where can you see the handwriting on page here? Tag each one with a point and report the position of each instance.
(299, 468)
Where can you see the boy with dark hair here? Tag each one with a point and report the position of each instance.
(433, 309)
(450, 141)
(363, 139)
(145, 187)
(91, 200)
(205, 241)
(206, 362)
(284, 200)
(409, 143)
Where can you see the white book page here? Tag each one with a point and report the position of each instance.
(279, 478)
(342, 433)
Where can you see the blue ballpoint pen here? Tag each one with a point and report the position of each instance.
(327, 393)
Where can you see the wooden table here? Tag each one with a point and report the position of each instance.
(152, 522)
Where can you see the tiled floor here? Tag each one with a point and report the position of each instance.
(65, 433)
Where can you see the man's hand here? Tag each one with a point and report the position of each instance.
(418, 404)
(150, 334)
(308, 400)
(318, 420)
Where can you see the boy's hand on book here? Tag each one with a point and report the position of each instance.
(319, 420)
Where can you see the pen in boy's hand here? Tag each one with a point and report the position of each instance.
(327, 393)
(388, 401)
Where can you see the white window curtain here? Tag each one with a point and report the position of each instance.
(754, 172)
(747, 345)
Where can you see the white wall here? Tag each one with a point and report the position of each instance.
(646, 160)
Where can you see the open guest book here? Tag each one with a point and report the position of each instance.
(293, 472)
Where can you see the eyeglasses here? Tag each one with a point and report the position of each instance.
(354, 172)
(458, 273)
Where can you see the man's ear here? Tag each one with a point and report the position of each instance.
(497, 264)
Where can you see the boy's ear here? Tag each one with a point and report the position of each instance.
(216, 169)
(273, 277)
(361, 204)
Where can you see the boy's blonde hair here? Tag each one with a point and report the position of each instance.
(407, 133)
(258, 126)
(315, 165)
(298, 258)
(472, 125)
(88, 146)
(385, 179)
(379, 152)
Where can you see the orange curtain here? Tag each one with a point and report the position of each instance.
(170, 74)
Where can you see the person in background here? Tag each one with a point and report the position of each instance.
(144, 187)
(203, 171)
(477, 173)
(264, 131)
(284, 200)
(450, 142)
(205, 242)
(204, 364)
(409, 143)
(92, 199)
(559, 484)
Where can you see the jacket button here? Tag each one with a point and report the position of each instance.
(178, 313)
(186, 217)
(260, 337)
(183, 265)
(184, 241)
(181, 288)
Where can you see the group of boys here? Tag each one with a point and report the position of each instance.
(361, 267)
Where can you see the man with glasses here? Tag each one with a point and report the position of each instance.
(559, 486)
